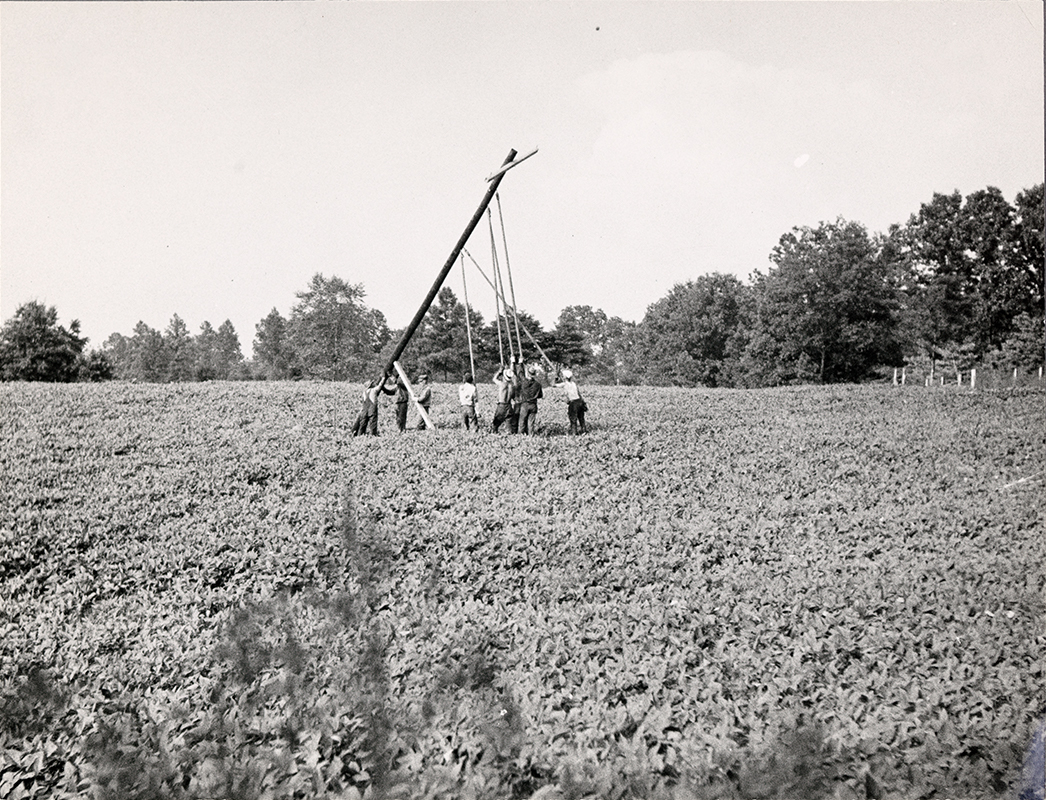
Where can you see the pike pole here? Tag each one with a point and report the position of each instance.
(494, 180)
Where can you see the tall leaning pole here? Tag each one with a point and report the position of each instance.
(494, 180)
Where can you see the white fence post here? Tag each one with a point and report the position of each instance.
(973, 378)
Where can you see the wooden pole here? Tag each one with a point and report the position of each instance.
(497, 300)
(508, 269)
(410, 391)
(468, 321)
(420, 315)
(498, 292)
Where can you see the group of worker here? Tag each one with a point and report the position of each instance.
(517, 391)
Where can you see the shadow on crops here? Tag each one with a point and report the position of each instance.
(32, 704)
(296, 703)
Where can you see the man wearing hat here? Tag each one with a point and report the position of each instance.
(529, 394)
(576, 406)
(503, 380)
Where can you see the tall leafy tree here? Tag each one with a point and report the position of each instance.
(620, 360)
(273, 350)
(940, 295)
(95, 366)
(228, 356)
(567, 344)
(442, 346)
(826, 311)
(1024, 349)
(976, 265)
(148, 356)
(119, 350)
(181, 356)
(34, 347)
(611, 345)
(1028, 249)
(205, 347)
(334, 335)
(589, 322)
(686, 336)
(996, 284)
(380, 338)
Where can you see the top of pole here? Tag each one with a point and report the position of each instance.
(510, 165)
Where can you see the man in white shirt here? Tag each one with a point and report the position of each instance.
(576, 406)
(467, 398)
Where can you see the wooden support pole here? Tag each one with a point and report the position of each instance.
(410, 391)
(498, 292)
(468, 321)
(462, 240)
(504, 302)
(508, 269)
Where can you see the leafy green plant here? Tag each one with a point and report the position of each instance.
(214, 591)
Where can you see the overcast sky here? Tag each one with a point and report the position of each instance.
(206, 159)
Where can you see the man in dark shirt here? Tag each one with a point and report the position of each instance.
(529, 394)
(402, 404)
(515, 384)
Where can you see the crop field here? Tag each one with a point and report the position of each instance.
(215, 591)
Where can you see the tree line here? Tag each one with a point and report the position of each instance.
(959, 284)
